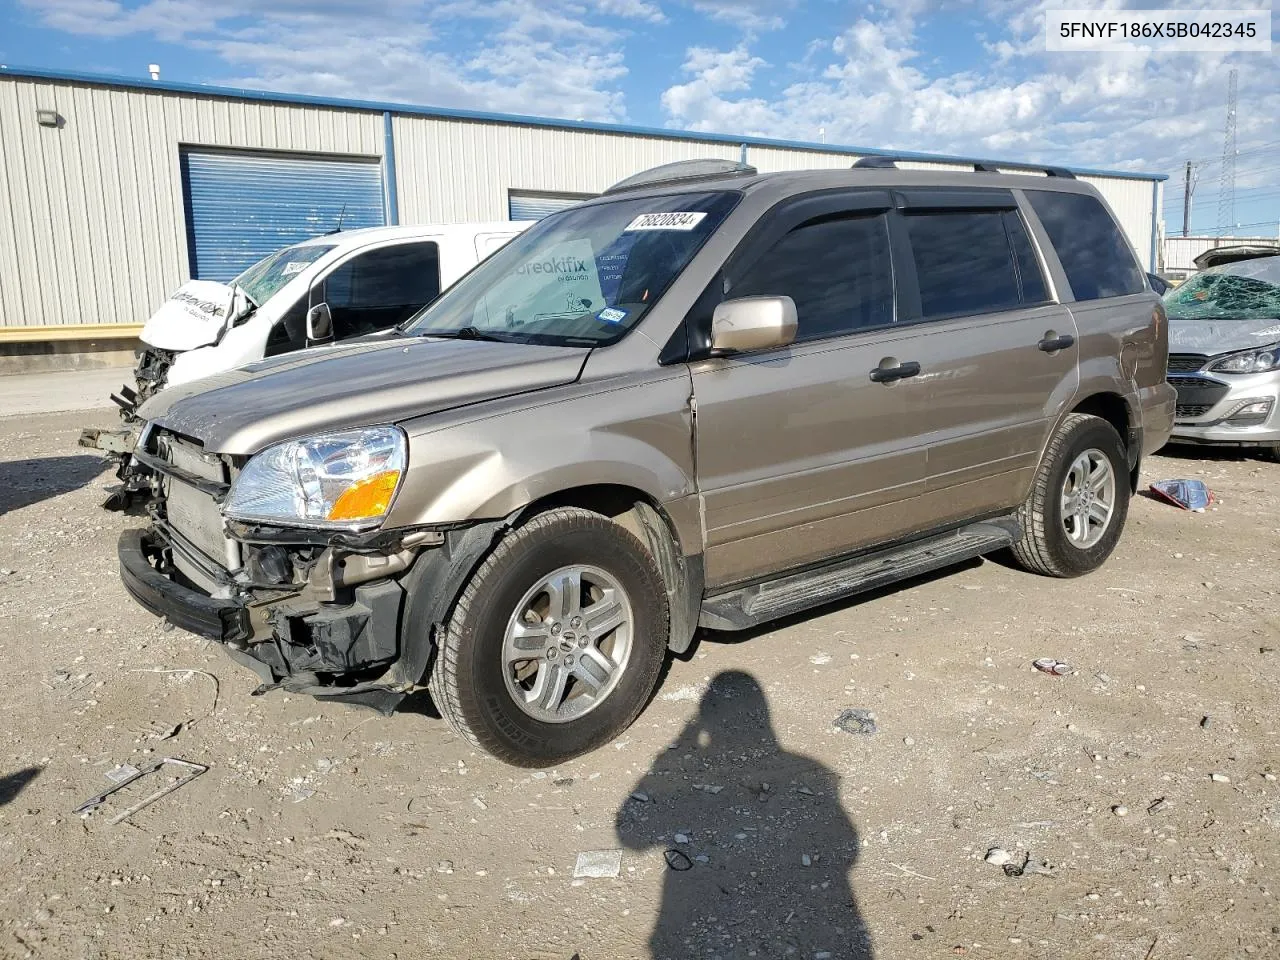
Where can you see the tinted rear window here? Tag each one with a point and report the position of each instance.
(964, 264)
(1093, 251)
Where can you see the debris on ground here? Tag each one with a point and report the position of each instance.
(122, 772)
(677, 860)
(1188, 494)
(1053, 667)
(998, 856)
(1030, 865)
(856, 721)
(1157, 805)
(1219, 778)
(1120, 810)
(598, 864)
(191, 771)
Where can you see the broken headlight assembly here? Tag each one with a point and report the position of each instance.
(1261, 360)
(344, 480)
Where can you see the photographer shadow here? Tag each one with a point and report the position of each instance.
(758, 849)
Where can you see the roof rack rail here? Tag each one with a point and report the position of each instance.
(684, 171)
(979, 166)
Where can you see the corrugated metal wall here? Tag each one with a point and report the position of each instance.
(452, 170)
(91, 217)
(1180, 252)
(92, 226)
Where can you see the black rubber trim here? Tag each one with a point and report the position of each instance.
(189, 609)
(214, 488)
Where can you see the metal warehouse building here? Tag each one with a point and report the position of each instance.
(114, 191)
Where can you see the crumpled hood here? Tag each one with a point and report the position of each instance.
(354, 385)
(194, 316)
(1212, 337)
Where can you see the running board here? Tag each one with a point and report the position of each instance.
(758, 603)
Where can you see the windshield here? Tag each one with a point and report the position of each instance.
(1247, 290)
(581, 277)
(265, 278)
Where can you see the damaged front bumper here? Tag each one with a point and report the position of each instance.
(359, 628)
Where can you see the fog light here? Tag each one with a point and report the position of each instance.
(1251, 412)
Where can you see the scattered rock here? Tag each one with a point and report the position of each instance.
(1219, 778)
(640, 797)
(1204, 723)
(1120, 810)
(806, 860)
(681, 838)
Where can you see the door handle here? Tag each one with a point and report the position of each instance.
(1053, 344)
(890, 374)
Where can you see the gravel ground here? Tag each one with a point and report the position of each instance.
(323, 831)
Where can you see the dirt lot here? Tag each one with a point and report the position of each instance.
(322, 831)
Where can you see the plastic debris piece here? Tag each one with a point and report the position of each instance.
(1187, 494)
(1054, 667)
(598, 864)
(1157, 805)
(857, 721)
(124, 771)
(998, 856)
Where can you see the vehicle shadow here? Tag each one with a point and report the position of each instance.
(26, 482)
(758, 849)
(13, 784)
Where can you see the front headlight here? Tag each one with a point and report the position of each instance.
(1252, 361)
(345, 479)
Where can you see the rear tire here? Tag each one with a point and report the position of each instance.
(1270, 453)
(534, 678)
(1063, 533)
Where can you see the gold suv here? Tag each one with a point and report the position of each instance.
(708, 398)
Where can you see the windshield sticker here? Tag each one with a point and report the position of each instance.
(561, 281)
(611, 315)
(294, 266)
(676, 220)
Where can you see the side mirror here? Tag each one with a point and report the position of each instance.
(752, 323)
(319, 323)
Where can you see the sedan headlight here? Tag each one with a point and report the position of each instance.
(345, 479)
(1251, 361)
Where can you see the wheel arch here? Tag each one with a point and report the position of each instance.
(1118, 411)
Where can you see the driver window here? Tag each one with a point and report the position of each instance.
(381, 288)
(837, 272)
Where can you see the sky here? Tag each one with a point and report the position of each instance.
(969, 78)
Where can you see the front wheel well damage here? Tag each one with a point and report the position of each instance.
(643, 516)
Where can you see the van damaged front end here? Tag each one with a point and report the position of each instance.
(312, 606)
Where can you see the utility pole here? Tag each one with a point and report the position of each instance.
(1227, 190)
(1186, 202)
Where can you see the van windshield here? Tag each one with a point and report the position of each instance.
(584, 276)
(1246, 290)
(265, 278)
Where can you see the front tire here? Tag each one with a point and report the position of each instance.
(1073, 519)
(556, 642)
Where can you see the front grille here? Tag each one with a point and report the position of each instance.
(1181, 362)
(1190, 411)
(1197, 395)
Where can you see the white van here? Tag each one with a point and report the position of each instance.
(354, 283)
(369, 279)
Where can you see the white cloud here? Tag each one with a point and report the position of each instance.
(528, 56)
(874, 87)
(632, 10)
(750, 16)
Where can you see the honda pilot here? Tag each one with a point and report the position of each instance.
(709, 398)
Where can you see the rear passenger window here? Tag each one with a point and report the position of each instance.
(837, 272)
(964, 263)
(1094, 253)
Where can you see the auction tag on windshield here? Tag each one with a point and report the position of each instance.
(611, 315)
(675, 220)
(294, 266)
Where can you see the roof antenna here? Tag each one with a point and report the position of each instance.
(338, 229)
